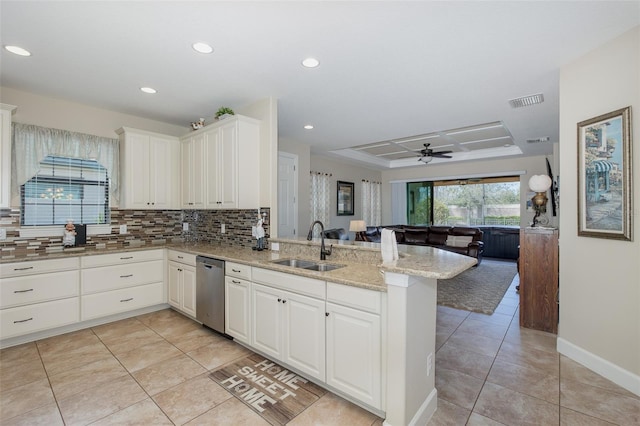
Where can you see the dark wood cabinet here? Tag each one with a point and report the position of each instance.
(539, 279)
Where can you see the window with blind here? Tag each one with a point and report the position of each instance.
(66, 189)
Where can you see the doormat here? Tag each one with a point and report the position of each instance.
(272, 391)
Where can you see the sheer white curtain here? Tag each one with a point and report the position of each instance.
(371, 203)
(319, 197)
(31, 144)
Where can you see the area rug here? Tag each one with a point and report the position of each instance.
(477, 289)
(272, 391)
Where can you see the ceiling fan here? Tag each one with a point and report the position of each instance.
(428, 154)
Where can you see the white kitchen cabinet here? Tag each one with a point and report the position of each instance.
(181, 274)
(221, 165)
(119, 282)
(149, 170)
(237, 301)
(38, 295)
(354, 336)
(193, 150)
(5, 154)
(291, 328)
(182, 287)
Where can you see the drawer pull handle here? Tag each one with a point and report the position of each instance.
(23, 269)
(23, 291)
(127, 257)
(127, 300)
(24, 320)
(126, 276)
(235, 282)
(236, 270)
(180, 257)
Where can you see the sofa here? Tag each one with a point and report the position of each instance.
(457, 239)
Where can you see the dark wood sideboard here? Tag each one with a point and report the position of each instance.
(539, 279)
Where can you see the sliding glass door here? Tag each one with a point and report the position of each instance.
(420, 203)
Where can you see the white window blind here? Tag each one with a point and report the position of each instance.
(66, 189)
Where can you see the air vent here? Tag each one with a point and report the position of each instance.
(526, 101)
(538, 140)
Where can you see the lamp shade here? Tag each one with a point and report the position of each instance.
(539, 183)
(357, 226)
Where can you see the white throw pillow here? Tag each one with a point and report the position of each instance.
(458, 241)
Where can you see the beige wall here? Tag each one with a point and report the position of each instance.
(599, 278)
(345, 172)
(528, 166)
(75, 117)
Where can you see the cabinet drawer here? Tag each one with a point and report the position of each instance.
(116, 301)
(37, 317)
(179, 256)
(17, 269)
(358, 298)
(237, 270)
(112, 277)
(301, 285)
(120, 258)
(18, 291)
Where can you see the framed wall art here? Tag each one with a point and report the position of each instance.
(345, 198)
(605, 176)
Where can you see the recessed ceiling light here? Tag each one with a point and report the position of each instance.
(202, 47)
(148, 90)
(308, 126)
(18, 50)
(311, 62)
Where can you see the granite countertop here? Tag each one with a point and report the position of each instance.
(421, 261)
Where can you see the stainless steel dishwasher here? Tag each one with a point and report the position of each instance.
(210, 292)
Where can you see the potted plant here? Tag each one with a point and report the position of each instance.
(224, 112)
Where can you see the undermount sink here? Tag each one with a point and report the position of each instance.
(308, 264)
(296, 263)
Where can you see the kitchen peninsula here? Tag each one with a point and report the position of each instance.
(377, 317)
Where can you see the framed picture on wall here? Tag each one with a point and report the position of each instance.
(604, 176)
(345, 198)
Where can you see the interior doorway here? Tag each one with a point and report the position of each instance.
(287, 195)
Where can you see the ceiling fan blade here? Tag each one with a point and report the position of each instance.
(441, 155)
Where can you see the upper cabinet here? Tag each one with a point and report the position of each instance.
(149, 170)
(193, 186)
(230, 165)
(5, 154)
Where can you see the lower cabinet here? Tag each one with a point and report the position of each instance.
(121, 300)
(182, 287)
(290, 327)
(39, 316)
(354, 342)
(237, 308)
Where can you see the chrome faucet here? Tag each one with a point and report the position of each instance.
(323, 252)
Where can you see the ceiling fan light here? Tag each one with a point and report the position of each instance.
(426, 159)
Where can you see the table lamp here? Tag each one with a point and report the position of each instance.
(358, 226)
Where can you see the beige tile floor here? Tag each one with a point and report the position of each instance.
(153, 370)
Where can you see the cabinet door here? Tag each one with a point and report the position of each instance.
(228, 173)
(353, 353)
(136, 179)
(304, 334)
(213, 170)
(188, 290)
(237, 309)
(193, 179)
(175, 272)
(162, 153)
(267, 320)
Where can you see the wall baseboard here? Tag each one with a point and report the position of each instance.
(606, 369)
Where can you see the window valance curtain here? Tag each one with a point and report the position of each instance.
(31, 144)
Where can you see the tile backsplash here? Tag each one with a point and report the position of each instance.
(144, 228)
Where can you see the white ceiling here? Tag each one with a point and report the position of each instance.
(388, 70)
